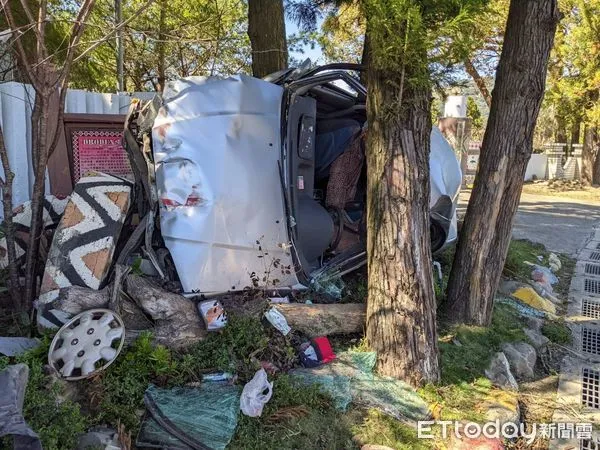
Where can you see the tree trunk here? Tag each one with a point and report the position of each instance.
(9, 229)
(592, 141)
(479, 81)
(324, 319)
(561, 130)
(266, 29)
(576, 132)
(590, 154)
(364, 60)
(506, 149)
(401, 304)
(161, 47)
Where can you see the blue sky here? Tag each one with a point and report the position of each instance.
(313, 54)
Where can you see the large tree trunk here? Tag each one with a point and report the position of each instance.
(401, 303)
(266, 29)
(506, 149)
(479, 81)
(590, 154)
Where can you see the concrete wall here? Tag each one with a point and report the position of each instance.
(16, 103)
(537, 166)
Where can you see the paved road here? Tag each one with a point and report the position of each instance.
(561, 224)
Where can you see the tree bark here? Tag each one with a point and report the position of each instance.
(364, 60)
(177, 320)
(9, 229)
(401, 304)
(590, 154)
(324, 319)
(161, 69)
(266, 29)
(506, 149)
(479, 81)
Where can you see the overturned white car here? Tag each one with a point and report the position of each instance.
(261, 183)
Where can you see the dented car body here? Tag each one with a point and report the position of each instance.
(261, 183)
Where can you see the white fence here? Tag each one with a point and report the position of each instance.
(16, 103)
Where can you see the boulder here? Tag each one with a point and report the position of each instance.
(521, 357)
(499, 372)
(538, 340)
(554, 262)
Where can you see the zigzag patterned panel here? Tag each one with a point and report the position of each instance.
(54, 208)
(84, 242)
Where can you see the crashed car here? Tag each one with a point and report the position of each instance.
(262, 183)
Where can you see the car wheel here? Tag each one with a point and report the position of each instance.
(438, 236)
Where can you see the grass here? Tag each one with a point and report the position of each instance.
(57, 421)
(557, 332)
(521, 251)
(468, 361)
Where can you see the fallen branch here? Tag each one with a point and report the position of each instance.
(325, 319)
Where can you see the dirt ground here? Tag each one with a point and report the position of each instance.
(563, 188)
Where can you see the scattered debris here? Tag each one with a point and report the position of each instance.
(521, 356)
(316, 352)
(528, 296)
(554, 262)
(499, 372)
(190, 417)
(256, 393)
(13, 382)
(13, 346)
(351, 379)
(177, 322)
(88, 232)
(100, 438)
(87, 344)
(276, 300)
(213, 314)
(277, 319)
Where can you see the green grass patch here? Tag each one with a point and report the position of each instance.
(521, 251)
(378, 429)
(467, 362)
(296, 417)
(57, 421)
(457, 401)
(557, 332)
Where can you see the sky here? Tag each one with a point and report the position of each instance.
(314, 54)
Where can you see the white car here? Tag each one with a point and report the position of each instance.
(262, 182)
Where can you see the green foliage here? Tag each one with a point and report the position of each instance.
(466, 362)
(474, 114)
(378, 429)
(198, 37)
(519, 253)
(230, 350)
(320, 426)
(120, 388)
(57, 421)
(458, 401)
(557, 332)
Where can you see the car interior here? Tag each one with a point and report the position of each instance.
(324, 171)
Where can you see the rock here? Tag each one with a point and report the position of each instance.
(499, 372)
(538, 340)
(535, 323)
(521, 357)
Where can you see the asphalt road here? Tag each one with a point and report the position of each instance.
(560, 223)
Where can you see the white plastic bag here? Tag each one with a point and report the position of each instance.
(256, 393)
(277, 319)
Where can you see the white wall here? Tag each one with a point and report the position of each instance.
(537, 166)
(16, 103)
